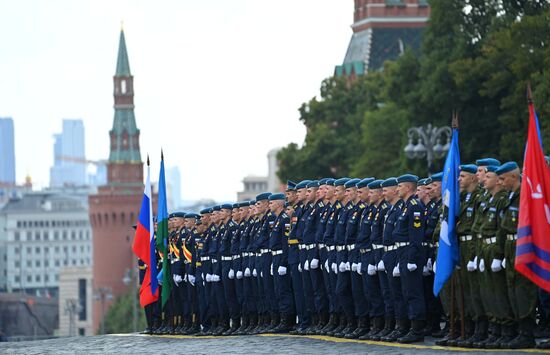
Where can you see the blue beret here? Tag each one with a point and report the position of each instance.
(491, 168)
(206, 211)
(351, 183)
(487, 162)
(226, 206)
(313, 183)
(263, 196)
(242, 204)
(507, 167)
(302, 184)
(290, 185)
(376, 184)
(423, 182)
(365, 182)
(389, 182)
(251, 202)
(192, 215)
(177, 215)
(216, 208)
(341, 181)
(323, 181)
(407, 178)
(330, 181)
(236, 205)
(469, 168)
(436, 177)
(275, 197)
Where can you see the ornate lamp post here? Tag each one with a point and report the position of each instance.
(428, 143)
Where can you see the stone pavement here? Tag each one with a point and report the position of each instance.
(260, 344)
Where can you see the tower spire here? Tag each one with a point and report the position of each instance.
(122, 63)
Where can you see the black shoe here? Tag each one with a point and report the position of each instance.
(522, 341)
(339, 328)
(415, 335)
(194, 329)
(445, 341)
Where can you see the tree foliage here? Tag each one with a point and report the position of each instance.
(477, 58)
(118, 318)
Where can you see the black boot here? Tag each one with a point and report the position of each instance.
(194, 329)
(494, 335)
(339, 328)
(322, 321)
(450, 337)
(415, 335)
(362, 328)
(331, 325)
(389, 327)
(350, 327)
(244, 324)
(479, 335)
(312, 326)
(223, 326)
(508, 333)
(442, 332)
(275, 320)
(235, 324)
(253, 323)
(525, 338)
(285, 326)
(377, 324)
(401, 329)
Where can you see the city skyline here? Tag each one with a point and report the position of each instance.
(189, 77)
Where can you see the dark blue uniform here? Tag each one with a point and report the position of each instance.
(227, 232)
(354, 258)
(296, 227)
(278, 243)
(330, 245)
(343, 282)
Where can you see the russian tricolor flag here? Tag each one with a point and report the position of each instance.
(144, 245)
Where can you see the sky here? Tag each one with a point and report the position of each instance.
(217, 83)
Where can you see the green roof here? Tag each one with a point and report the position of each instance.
(346, 69)
(125, 122)
(122, 63)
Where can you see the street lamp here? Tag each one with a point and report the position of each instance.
(428, 144)
(130, 279)
(103, 294)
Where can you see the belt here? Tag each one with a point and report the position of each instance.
(258, 254)
(426, 244)
(390, 247)
(350, 247)
(263, 251)
(331, 247)
(320, 245)
(293, 241)
(511, 236)
(491, 240)
(227, 258)
(310, 246)
(364, 251)
(301, 246)
(377, 246)
(214, 261)
(198, 263)
(174, 260)
(276, 252)
(340, 247)
(205, 258)
(401, 244)
(185, 261)
(235, 257)
(245, 254)
(464, 238)
(479, 236)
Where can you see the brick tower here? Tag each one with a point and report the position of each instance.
(114, 209)
(382, 30)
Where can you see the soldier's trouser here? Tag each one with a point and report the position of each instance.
(317, 283)
(229, 290)
(467, 254)
(399, 305)
(250, 290)
(389, 302)
(343, 286)
(182, 304)
(361, 306)
(323, 258)
(218, 295)
(272, 302)
(283, 287)
(472, 281)
(494, 292)
(236, 265)
(211, 304)
(201, 297)
(149, 310)
(522, 293)
(306, 284)
(299, 300)
(333, 279)
(434, 309)
(261, 301)
(371, 286)
(411, 281)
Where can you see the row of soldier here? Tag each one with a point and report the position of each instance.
(356, 259)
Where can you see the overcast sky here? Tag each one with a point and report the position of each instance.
(217, 83)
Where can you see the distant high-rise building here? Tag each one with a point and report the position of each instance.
(69, 167)
(7, 152)
(173, 178)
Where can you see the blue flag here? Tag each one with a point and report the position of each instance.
(448, 254)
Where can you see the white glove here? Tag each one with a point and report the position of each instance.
(202, 276)
(435, 262)
(471, 266)
(326, 266)
(504, 263)
(425, 271)
(299, 267)
(254, 273)
(359, 265)
(271, 269)
(306, 265)
(354, 267)
(208, 278)
(191, 279)
(381, 266)
(185, 278)
(342, 267)
(475, 262)
(482, 265)
(216, 278)
(231, 274)
(371, 270)
(396, 271)
(411, 267)
(496, 265)
(247, 272)
(314, 264)
(176, 279)
(281, 270)
(261, 273)
(334, 268)
(240, 275)
(348, 266)
(429, 264)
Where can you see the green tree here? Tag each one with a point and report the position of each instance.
(118, 318)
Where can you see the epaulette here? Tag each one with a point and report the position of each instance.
(231, 223)
(321, 204)
(414, 202)
(338, 206)
(284, 215)
(384, 205)
(361, 205)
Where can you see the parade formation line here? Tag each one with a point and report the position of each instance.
(343, 340)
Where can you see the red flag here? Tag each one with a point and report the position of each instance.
(533, 244)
